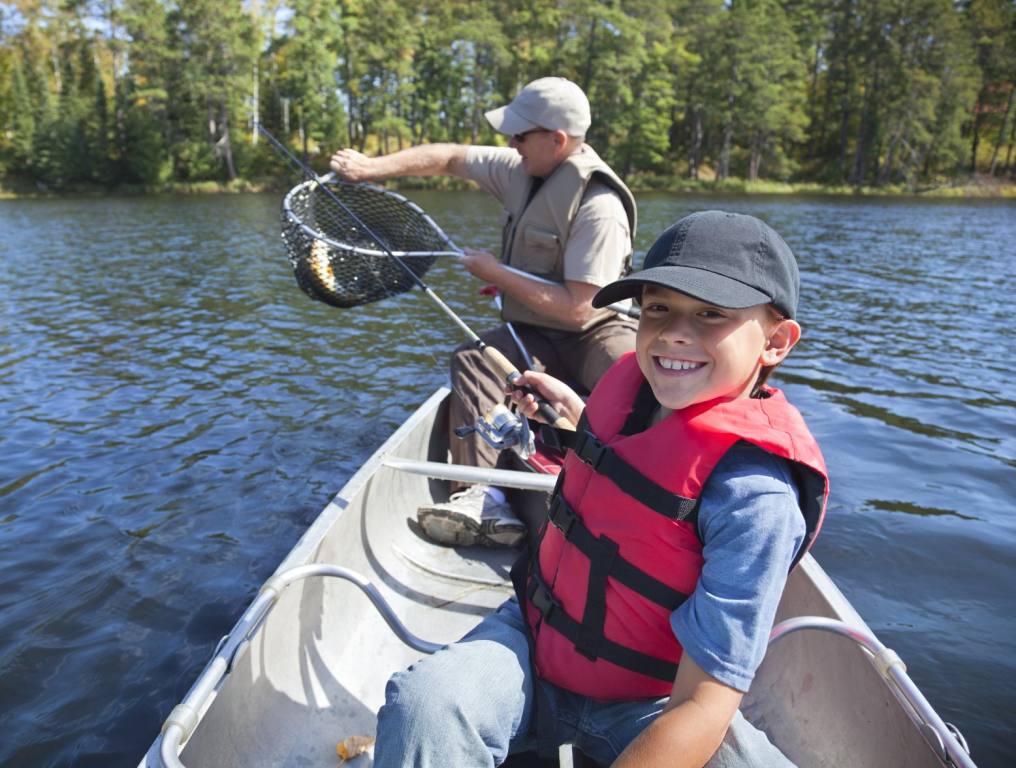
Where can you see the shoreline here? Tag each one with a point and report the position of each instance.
(967, 189)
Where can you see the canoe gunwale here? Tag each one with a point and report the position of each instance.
(945, 740)
(186, 716)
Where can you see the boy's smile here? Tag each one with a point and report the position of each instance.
(691, 351)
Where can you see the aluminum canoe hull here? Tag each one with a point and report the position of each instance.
(313, 673)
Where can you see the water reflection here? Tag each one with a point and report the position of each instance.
(914, 509)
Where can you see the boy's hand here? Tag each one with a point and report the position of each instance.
(561, 397)
(690, 728)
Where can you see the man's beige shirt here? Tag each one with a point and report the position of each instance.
(598, 241)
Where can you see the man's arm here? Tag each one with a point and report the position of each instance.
(423, 160)
(690, 728)
(569, 302)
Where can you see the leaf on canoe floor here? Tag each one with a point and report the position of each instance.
(354, 746)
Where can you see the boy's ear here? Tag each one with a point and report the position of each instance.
(782, 338)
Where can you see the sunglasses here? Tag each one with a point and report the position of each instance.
(520, 138)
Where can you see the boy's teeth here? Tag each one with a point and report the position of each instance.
(678, 365)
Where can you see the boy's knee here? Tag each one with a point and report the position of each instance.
(413, 689)
(422, 692)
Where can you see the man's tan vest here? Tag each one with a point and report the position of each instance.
(535, 235)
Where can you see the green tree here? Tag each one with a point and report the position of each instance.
(992, 25)
(306, 65)
(773, 96)
(215, 41)
(143, 93)
(18, 126)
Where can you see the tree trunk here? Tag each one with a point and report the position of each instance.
(1001, 133)
(303, 138)
(587, 78)
(885, 169)
(865, 131)
(256, 106)
(975, 138)
(474, 116)
(754, 159)
(695, 151)
(844, 137)
(1008, 150)
(227, 146)
(212, 127)
(728, 135)
(398, 130)
(813, 107)
(723, 170)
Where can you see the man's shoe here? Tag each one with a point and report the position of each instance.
(472, 517)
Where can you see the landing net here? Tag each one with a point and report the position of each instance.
(334, 257)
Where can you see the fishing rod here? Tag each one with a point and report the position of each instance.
(493, 356)
(620, 307)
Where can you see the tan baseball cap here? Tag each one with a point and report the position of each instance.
(553, 103)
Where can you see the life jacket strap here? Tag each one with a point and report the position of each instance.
(605, 461)
(554, 615)
(563, 517)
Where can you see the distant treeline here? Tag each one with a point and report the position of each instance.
(857, 92)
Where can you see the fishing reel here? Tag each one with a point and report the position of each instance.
(502, 429)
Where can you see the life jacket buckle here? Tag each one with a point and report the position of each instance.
(591, 451)
(541, 598)
(561, 515)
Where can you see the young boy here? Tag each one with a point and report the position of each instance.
(689, 492)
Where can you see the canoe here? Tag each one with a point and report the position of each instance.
(305, 666)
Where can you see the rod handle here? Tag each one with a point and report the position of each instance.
(511, 375)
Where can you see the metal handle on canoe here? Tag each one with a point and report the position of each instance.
(942, 737)
(184, 718)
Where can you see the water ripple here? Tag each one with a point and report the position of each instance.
(175, 413)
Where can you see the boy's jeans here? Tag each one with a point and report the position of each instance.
(471, 703)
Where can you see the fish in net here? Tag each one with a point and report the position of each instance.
(344, 243)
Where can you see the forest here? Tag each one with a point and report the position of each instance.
(106, 94)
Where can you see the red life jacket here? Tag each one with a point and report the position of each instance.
(621, 549)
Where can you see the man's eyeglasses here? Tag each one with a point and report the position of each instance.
(520, 138)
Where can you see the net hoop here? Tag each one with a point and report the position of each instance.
(330, 180)
(341, 254)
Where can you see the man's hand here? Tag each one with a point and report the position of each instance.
(351, 165)
(481, 264)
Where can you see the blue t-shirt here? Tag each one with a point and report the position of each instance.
(751, 528)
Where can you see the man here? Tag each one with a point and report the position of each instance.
(569, 219)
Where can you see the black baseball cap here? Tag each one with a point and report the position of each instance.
(727, 259)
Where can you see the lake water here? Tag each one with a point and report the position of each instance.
(174, 412)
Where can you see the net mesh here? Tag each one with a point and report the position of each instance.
(337, 261)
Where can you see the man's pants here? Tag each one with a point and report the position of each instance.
(579, 359)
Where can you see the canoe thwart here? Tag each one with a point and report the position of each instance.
(503, 478)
